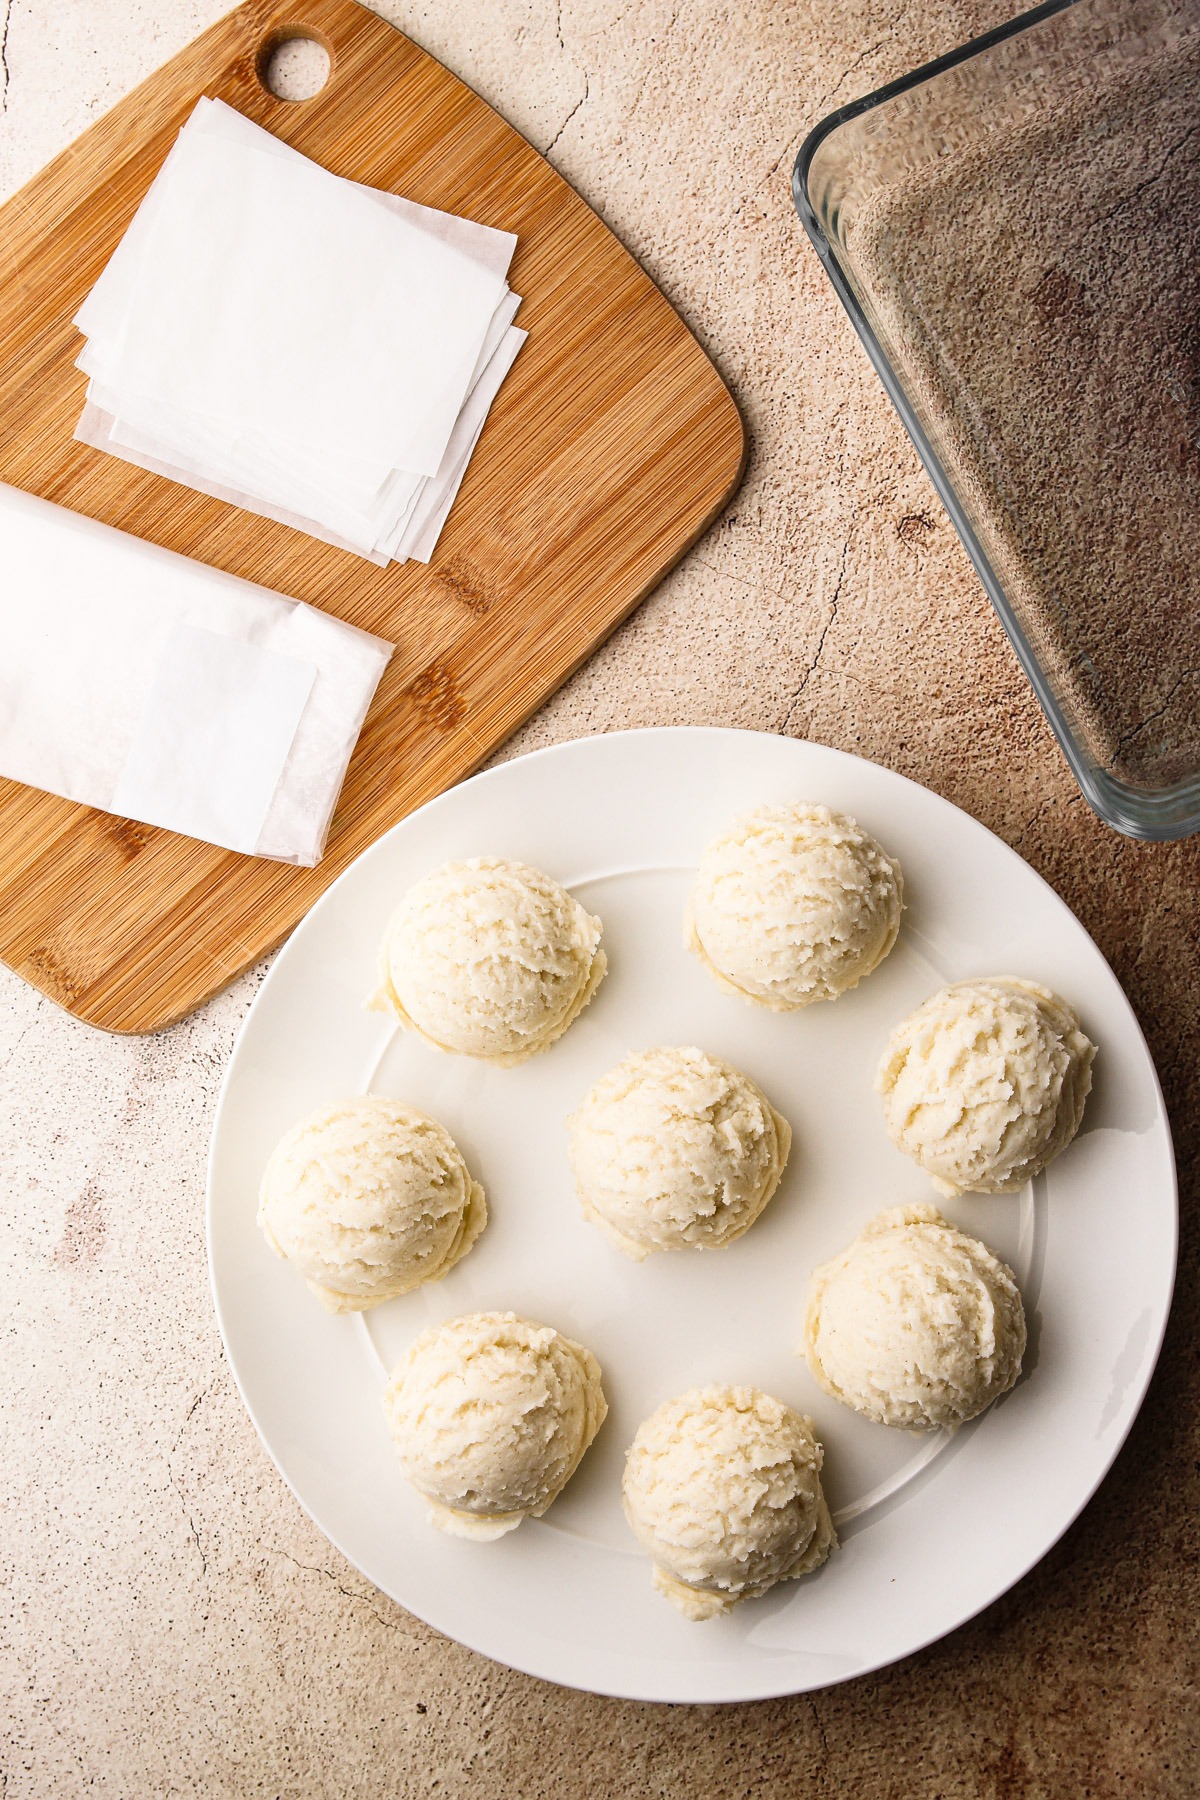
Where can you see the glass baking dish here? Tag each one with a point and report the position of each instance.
(1014, 231)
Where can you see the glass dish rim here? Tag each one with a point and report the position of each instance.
(1172, 813)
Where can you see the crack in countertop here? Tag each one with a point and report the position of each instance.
(5, 71)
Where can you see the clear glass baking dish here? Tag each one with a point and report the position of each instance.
(1014, 231)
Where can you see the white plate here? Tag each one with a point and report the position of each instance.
(931, 1530)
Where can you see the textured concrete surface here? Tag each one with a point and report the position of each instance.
(172, 1623)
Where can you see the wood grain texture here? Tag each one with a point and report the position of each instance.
(612, 445)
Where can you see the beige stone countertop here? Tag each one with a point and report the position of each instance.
(171, 1623)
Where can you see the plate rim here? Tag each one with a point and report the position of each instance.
(763, 1688)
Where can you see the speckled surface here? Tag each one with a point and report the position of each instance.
(170, 1622)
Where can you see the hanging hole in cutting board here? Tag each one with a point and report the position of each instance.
(294, 64)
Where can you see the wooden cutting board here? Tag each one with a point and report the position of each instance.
(611, 447)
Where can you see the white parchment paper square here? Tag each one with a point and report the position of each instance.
(213, 737)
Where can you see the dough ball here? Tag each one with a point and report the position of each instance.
(722, 1490)
(673, 1150)
(489, 959)
(985, 1083)
(916, 1324)
(491, 1415)
(793, 904)
(369, 1198)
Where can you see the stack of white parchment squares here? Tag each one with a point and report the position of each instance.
(318, 352)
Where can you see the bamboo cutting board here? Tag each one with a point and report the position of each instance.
(612, 445)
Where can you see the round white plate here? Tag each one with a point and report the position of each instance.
(931, 1529)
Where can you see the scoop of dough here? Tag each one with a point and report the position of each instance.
(491, 1415)
(722, 1489)
(985, 1083)
(915, 1324)
(368, 1199)
(489, 959)
(793, 904)
(674, 1149)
